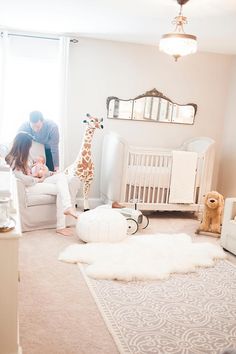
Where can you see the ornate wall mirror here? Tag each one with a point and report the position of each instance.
(152, 106)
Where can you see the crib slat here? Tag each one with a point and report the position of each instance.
(145, 166)
(129, 185)
(169, 178)
(140, 166)
(154, 169)
(149, 182)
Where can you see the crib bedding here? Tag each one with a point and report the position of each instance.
(152, 175)
(148, 175)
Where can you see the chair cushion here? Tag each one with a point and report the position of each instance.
(37, 199)
(41, 194)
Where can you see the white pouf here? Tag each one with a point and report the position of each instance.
(101, 225)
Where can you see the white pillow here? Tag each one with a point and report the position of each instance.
(42, 188)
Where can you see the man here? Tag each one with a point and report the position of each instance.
(46, 132)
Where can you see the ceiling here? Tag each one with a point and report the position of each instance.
(135, 21)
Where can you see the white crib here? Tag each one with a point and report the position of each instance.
(154, 178)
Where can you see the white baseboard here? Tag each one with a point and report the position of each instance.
(93, 203)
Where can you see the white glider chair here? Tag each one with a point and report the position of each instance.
(228, 232)
(37, 204)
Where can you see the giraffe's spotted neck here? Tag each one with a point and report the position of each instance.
(88, 135)
(85, 150)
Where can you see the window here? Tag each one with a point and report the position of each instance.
(30, 80)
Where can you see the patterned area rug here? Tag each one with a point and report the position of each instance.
(186, 314)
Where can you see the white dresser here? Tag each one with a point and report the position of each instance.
(9, 242)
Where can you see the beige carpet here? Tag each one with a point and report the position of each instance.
(57, 312)
(188, 314)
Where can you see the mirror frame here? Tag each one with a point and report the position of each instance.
(152, 93)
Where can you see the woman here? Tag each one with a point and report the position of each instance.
(18, 160)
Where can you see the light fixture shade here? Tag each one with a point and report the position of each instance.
(178, 44)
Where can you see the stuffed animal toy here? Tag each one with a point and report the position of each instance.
(212, 213)
(83, 166)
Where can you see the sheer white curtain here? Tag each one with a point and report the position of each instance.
(3, 52)
(63, 97)
(33, 77)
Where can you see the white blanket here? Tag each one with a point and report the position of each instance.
(183, 177)
(143, 257)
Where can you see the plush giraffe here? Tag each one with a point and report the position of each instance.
(83, 167)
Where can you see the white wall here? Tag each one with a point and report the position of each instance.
(99, 69)
(227, 172)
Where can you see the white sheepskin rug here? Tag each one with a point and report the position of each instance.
(143, 257)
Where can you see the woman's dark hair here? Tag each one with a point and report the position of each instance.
(19, 153)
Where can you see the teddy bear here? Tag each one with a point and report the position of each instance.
(212, 213)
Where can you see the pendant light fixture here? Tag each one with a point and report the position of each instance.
(178, 43)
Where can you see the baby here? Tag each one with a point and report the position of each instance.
(39, 169)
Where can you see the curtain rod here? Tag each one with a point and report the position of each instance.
(72, 40)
